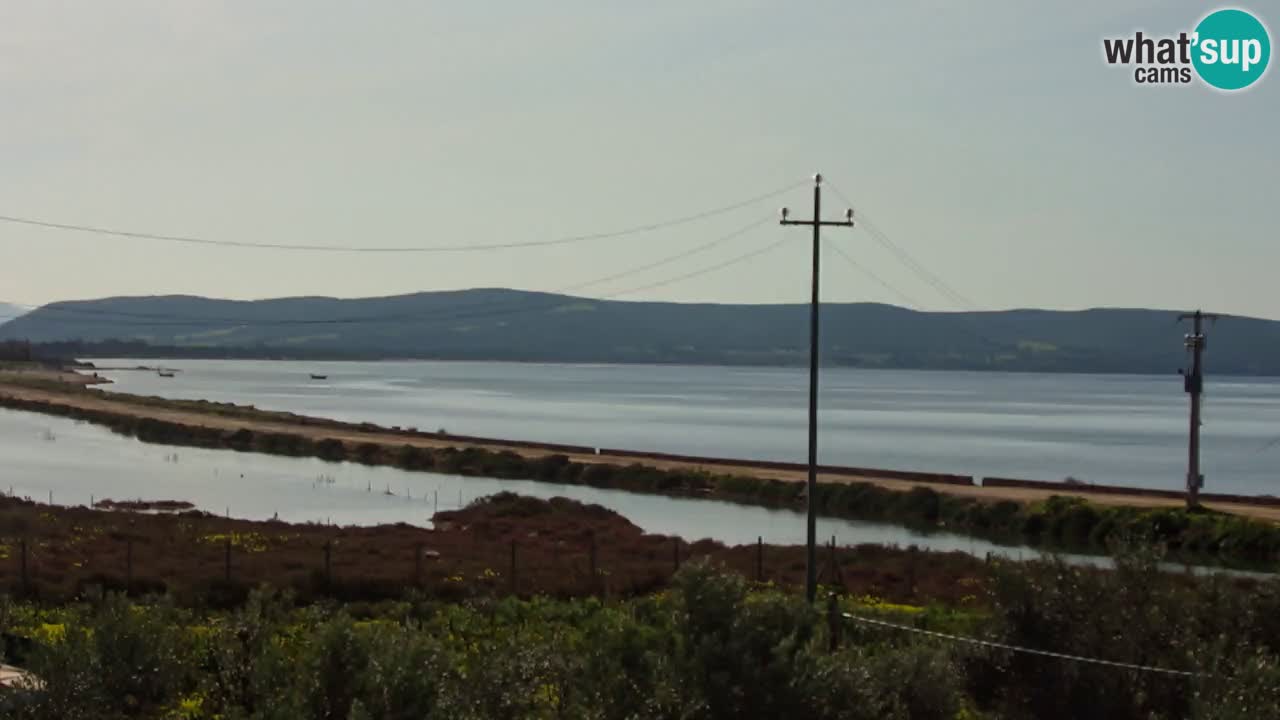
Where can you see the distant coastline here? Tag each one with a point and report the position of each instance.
(497, 325)
(89, 354)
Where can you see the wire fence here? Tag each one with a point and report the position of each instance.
(197, 557)
(1017, 649)
(209, 560)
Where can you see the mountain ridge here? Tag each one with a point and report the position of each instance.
(503, 324)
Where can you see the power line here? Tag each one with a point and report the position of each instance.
(965, 325)
(512, 310)
(868, 273)
(193, 240)
(1019, 649)
(667, 260)
(906, 259)
(1270, 444)
(161, 319)
(446, 314)
(701, 272)
(924, 273)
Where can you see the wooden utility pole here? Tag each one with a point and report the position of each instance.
(759, 559)
(811, 571)
(1193, 383)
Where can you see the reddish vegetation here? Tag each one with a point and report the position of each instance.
(470, 552)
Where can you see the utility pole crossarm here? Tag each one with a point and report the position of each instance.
(823, 223)
(817, 223)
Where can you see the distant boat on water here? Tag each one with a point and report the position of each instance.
(165, 373)
(315, 376)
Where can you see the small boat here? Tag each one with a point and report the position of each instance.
(165, 373)
(314, 376)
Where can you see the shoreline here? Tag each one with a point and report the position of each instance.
(1051, 516)
(655, 364)
(42, 387)
(70, 376)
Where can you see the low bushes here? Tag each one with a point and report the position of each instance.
(711, 647)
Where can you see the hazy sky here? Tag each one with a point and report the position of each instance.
(989, 139)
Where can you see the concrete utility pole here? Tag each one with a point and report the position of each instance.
(811, 568)
(1193, 383)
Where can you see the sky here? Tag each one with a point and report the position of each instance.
(988, 140)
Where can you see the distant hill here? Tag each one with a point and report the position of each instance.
(530, 326)
(9, 312)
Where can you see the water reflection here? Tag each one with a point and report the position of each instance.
(75, 463)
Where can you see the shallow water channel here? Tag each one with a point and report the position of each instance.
(74, 463)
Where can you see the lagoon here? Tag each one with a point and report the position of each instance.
(1108, 429)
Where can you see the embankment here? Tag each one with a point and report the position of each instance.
(1038, 517)
(1120, 490)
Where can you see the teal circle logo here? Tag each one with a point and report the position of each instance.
(1231, 49)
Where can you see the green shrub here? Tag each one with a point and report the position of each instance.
(859, 683)
(367, 453)
(116, 660)
(331, 449)
(598, 475)
(548, 467)
(709, 648)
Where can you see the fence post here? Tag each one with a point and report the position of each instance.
(328, 567)
(128, 566)
(226, 563)
(833, 622)
(831, 562)
(911, 571)
(675, 553)
(759, 559)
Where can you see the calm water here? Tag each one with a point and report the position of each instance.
(1116, 429)
(78, 462)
